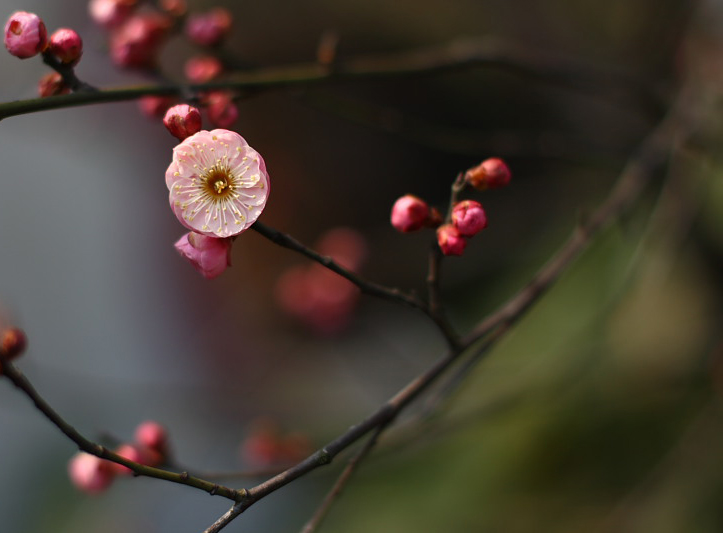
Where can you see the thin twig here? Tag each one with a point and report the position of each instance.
(341, 482)
(88, 446)
(489, 53)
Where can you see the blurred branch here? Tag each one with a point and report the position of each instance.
(88, 446)
(556, 70)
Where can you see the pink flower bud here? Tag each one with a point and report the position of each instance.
(221, 110)
(12, 344)
(345, 245)
(67, 46)
(152, 435)
(451, 242)
(136, 43)
(155, 106)
(209, 255)
(490, 174)
(209, 29)
(409, 213)
(110, 13)
(177, 8)
(469, 217)
(90, 473)
(25, 34)
(182, 121)
(52, 84)
(200, 69)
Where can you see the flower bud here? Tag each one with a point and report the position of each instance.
(52, 84)
(209, 29)
(490, 174)
(450, 241)
(25, 34)
(90, 473)
(130, 452)
(209, 255)
(13, 343)
(409, 213)
(469, 217)
(182, 121)
(153, 436)
(200, 69)
(110, 13)
(177, 8)
(137, 42)
(221, 109)
(67, 46)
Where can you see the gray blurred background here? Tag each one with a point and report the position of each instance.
(600, 412)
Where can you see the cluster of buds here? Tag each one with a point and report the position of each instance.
(267, 446)
(26, 36)
(92, 474)
(317, 297)
(466, 219)
(12, 344)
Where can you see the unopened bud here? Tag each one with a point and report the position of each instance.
(130, 452)
(66, 45)
(469, 217)
(490, 174)
(409, 213)
(182, 121)
(200, 69)
(450, 241)
(209, 29)
(153, 436)
(110, 13)
(210, 256)
(25, 35)
(13, 343)
(222, 111)
(154, 106)
(90, 473)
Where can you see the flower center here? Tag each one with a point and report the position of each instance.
(219, 181)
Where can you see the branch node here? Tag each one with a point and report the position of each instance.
(323, 457)
(184, 476)
(213, 490)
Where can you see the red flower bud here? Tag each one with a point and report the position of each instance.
(409, 213)
(450, 241)
(67, 46)
(490, 174)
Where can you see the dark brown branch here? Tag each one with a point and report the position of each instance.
(88, 446)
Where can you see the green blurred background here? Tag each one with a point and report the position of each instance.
(600, 411)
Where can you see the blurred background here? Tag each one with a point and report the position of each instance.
(600, 411)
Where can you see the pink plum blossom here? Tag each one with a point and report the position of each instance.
(469, 217)
(450, 241)
(489, 174)
(182, 121)
(209, 255)
(90, 473)
(409, 213)
(66, 45)
(25, 34)
(136, 43)
(218, 184)
(209, 29)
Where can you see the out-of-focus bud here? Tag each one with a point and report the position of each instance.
(209, 29)
(136, 43)
(221, 110)
(25, 34)
(409, 213)
(155, 106)
(469, 217)
(152, 436)
(209, 255)
(346, 245)
(90, 473)
(182, 121)
(295, 447)
(450, 241)
(66, 45)
(110, 13)
(200, 69)
(489, 174)
(176, 8)
(261, 447)
(130, 452)
(13, 343)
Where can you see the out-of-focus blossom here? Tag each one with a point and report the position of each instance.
(182, 121)
(130, 452)
(489, 174)
(209, 255)
(90, 473)
(25, 34)
(13, 343)
(222, 111)
(266, 445)
(469, 217)
(409, 213)
(200, 69)
(136, 43)
(110, 13)
(450, 241)
(154, 106)
(218, 184)
(153, 436)
(66, 45)
(210, 28)
(177, 8)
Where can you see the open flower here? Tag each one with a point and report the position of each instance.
(218, 184)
